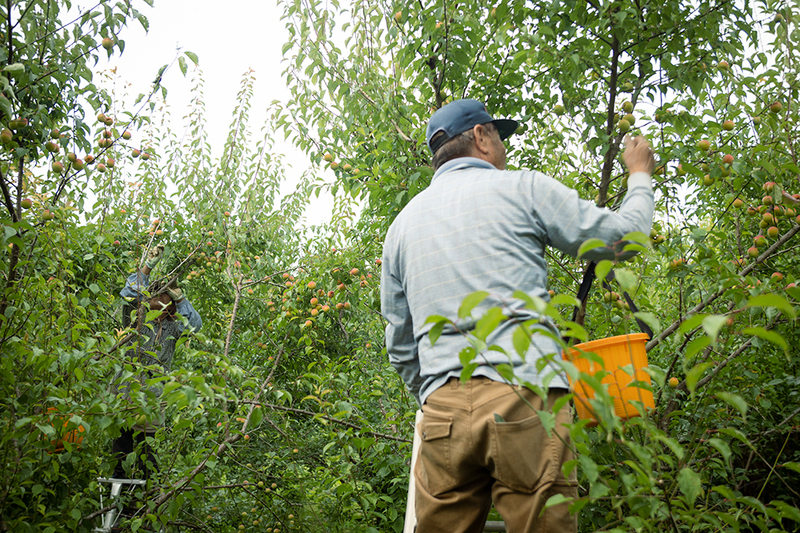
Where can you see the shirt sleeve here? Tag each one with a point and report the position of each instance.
(186, 309)
(400, 343)
(135, 285)
(569, 221)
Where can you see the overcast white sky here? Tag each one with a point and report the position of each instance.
(229, 38)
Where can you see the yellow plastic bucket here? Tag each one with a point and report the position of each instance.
(617, 353)
(75, 436)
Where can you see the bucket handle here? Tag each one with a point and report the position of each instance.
(583, 295)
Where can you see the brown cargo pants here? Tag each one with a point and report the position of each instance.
(468, 459)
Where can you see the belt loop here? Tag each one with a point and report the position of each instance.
(454, 383)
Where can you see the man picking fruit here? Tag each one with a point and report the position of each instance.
(153, 346)
(479, 227)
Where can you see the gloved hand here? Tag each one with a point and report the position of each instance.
(176, 294)
(154, 255)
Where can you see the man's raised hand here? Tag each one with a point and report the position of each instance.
(638, 155)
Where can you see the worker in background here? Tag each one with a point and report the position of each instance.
(152, 346)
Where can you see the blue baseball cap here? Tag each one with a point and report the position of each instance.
(457, 117)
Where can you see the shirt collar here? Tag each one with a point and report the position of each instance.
(463, 162)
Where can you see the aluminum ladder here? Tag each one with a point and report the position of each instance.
(111, 518)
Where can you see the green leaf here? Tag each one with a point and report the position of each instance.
(712, 324)
(548, 419)
(532, 302)
(565, 299)
(721, 446)
(767, 335)
(477, 344)
(673, 445)
(589, 467)
(8, 232)
(466, 355)
(151, 315)
(521, 340)
(694, 347)
(576, 506)
(690, 484)
(470, 302)
(694, 375)
(626, 278)
(690, 323)
(792, 466)
(436, 318)
(637, 236)
(488, 323)
(256, 417)
(14, 69)
(506, 372)
(733, 432)
(602, 269)
(436, 331)
(787, 511)
(772, 300)
(651, 320)
(182, 64)
(598, 490)
(735, 401)
(556, 499)
(192, 56)
(525, 298)
(466, 372)
(693, 169)
(724, 491)
(589, 245)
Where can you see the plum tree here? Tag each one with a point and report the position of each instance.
(612, 70)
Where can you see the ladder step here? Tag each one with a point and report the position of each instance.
(493, 525)
(121, 481)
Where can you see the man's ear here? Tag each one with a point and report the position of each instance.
(483, 139)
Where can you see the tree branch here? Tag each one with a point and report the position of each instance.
(702, 305)
(331, 419)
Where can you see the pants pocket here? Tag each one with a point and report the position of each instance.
(433, 468)
(524, 455)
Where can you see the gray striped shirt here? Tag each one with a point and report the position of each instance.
(477, 228)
